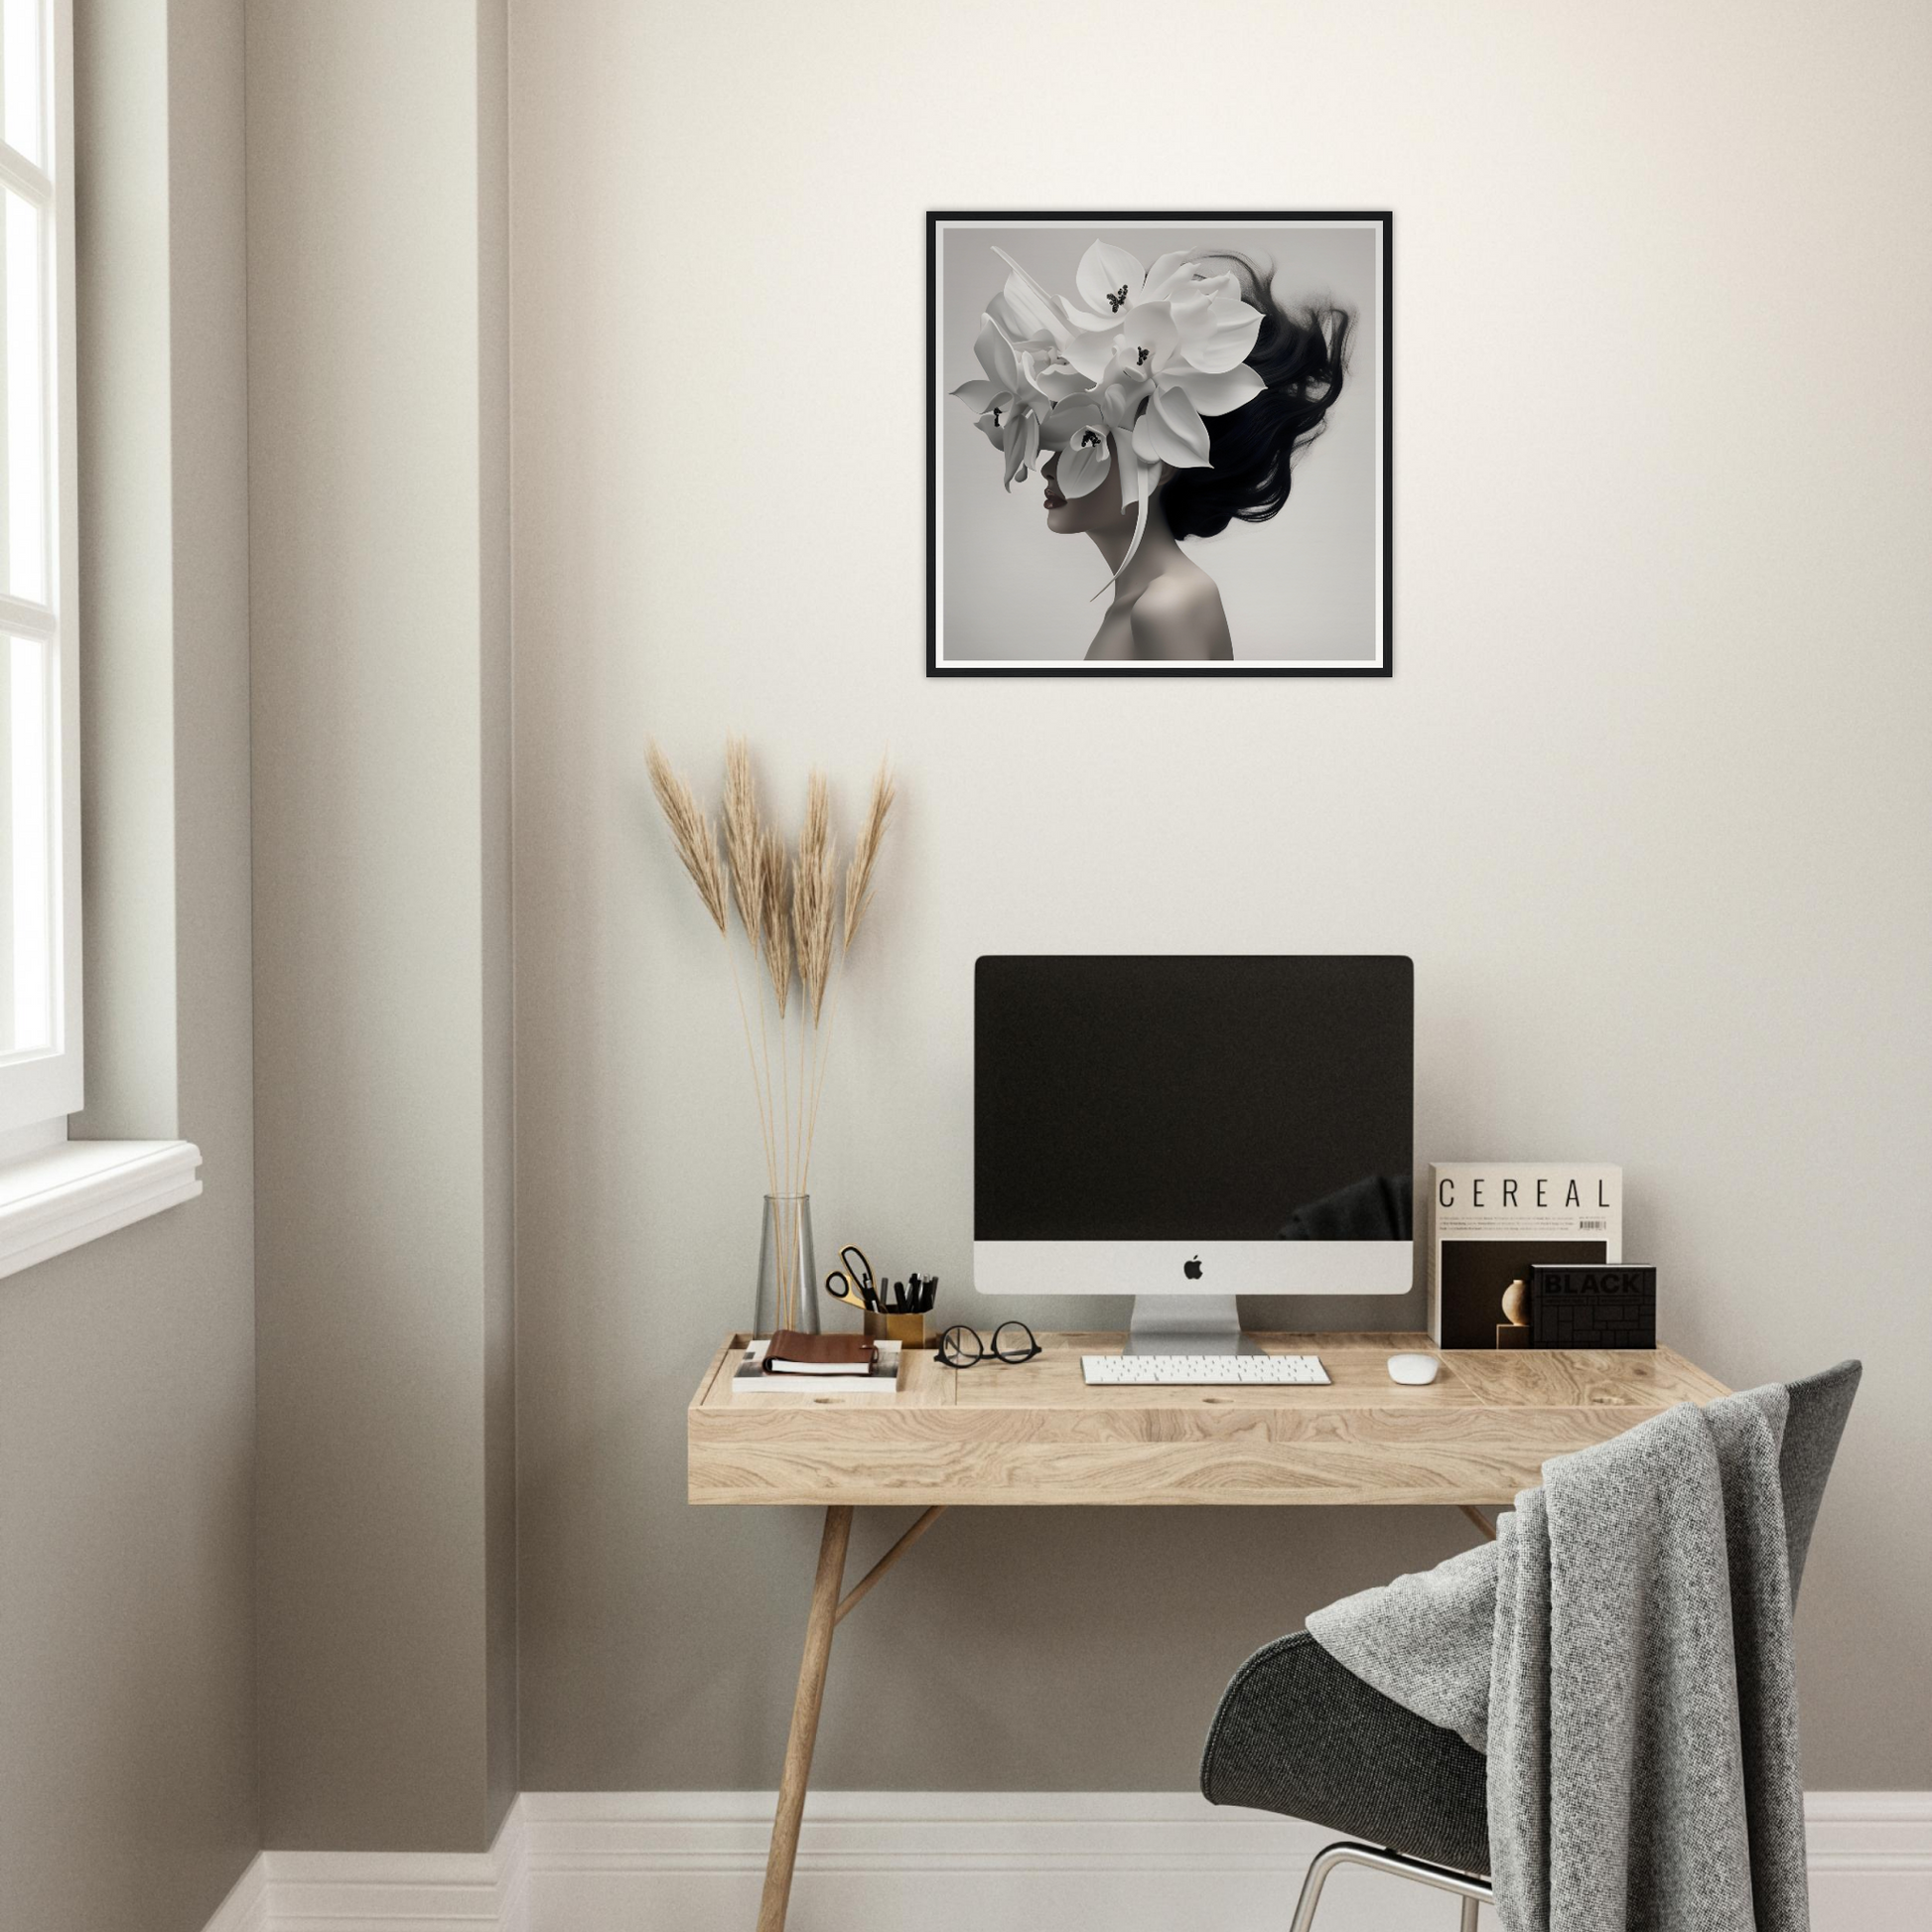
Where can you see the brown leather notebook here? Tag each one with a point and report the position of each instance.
(793, 1353)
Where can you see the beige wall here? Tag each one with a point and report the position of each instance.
(378, 507)
(1647, 799)
(127, 1776)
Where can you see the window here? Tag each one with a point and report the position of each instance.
(40, 844)
(54, 1193)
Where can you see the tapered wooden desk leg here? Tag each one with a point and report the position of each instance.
(804, 1718)
(1479, 1519)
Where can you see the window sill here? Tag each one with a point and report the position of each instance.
(79, 1190)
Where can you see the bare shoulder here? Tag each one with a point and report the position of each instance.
(1179, 615)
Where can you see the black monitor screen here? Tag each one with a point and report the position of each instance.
(1192, 1098)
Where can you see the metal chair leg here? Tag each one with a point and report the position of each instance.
(1472, 1891)
(1324, 1862)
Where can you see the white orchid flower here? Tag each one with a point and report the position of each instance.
(1047, 375)
(1021, 445)
(1111, 280)
(1079, 432)
(991, 397)
(1019, 387)
(1217, 331)
(1037, 353)
(1094, 435)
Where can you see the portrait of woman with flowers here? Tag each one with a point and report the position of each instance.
(1219, 384)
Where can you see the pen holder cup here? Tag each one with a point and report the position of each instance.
(906, 1328)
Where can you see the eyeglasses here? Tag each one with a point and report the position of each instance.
(1012, 1341)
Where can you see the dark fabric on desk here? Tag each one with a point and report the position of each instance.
(1301, 1735)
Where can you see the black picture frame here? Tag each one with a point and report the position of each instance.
(1382, 219)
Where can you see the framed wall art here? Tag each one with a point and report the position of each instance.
(1159, 444)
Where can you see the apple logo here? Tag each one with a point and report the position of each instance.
(1192, 1269)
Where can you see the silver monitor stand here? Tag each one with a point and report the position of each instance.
(1186, 1324)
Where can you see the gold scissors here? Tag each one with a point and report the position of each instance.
(852, 1281)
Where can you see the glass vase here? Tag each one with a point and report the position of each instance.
(787, 1272)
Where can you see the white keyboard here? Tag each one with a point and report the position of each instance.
(1201, 1371)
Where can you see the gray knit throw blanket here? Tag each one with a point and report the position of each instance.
(1622, 1652)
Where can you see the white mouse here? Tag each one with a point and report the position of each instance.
(1414, 1369)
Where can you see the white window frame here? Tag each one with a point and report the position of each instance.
(55, 1192)
(38, 1090)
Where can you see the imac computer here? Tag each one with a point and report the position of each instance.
(1186, 1129)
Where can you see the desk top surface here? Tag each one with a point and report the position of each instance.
(1035, 1434)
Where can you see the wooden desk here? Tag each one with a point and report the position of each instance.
(1032, 1434)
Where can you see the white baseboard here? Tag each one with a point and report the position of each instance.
(955, 1861)
(384, 1891)
(245, 1909)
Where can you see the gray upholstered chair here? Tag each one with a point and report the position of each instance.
(1298, 1733)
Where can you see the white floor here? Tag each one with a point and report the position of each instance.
(947, 1862)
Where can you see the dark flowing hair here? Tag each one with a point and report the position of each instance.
(1301, 357)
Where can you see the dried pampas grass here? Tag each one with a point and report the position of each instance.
(814, 896)
(774, 917)
(787, 910)
(691, 832)
(742, 847)
(865, 851)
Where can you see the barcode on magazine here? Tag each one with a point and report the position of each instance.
(1599, 1225)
